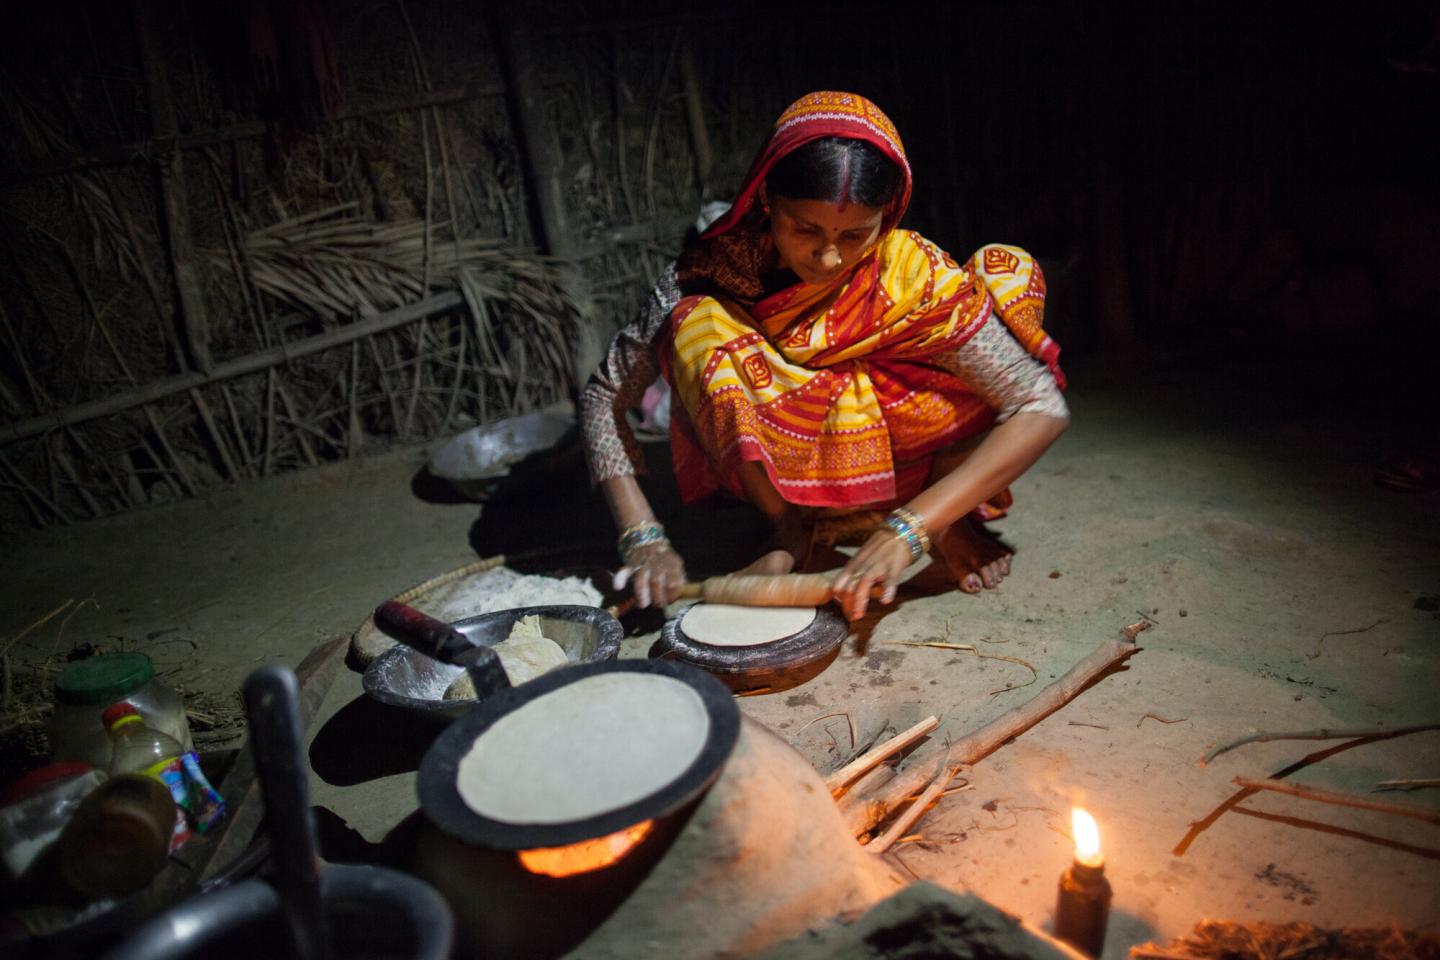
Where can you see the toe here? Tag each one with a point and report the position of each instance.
(971, 583)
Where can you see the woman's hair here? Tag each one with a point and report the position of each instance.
(836, 170)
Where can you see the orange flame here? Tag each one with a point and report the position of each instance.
(587, 855)
(1087, 838)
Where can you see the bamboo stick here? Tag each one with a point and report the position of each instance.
(301, 440)
(39, 497)
(222, 447)
(267, 456)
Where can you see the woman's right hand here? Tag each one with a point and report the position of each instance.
(655, 573)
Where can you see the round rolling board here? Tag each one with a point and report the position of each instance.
(759, 667)
(579, 753)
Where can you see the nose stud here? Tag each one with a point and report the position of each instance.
(831, 259)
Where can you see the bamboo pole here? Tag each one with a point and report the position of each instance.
(170, 173)
(253, 363)
(695, 113)
(119, 154)
(544, 167)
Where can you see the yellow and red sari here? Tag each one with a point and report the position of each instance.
(833, 387)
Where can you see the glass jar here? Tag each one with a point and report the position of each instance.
(34, 810)
(86, 688)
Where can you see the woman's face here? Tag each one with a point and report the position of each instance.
(818, 240)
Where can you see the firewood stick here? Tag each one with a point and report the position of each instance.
(1340, 799)
(871, 781)
(860, 806)
(913, 813)
(1015, 721)
(1022, 717)
(1321, 734)
(871, 757)
(869, 811)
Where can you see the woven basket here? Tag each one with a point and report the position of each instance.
(367, 642)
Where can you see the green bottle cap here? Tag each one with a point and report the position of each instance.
(103, 679)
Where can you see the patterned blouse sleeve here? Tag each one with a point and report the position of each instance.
(994, 364)
(629, 367)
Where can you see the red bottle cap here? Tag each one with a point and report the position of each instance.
(37, 780)
(116, 711)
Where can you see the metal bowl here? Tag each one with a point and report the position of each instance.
(475, 461)
(404, 677)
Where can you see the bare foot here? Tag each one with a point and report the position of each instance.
(976, 557)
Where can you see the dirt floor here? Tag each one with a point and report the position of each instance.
(1286, 590)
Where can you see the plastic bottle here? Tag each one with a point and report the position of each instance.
(136, 747)
(85, 688)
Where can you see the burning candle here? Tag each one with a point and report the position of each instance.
(1083, 906)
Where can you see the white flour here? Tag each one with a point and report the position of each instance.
(504, 589)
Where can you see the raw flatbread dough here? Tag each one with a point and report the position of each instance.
(584, 749)
(525, 654)
(725, 625)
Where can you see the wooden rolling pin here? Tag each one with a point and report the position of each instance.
(757, 590)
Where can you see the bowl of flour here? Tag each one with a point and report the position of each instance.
(405, 677)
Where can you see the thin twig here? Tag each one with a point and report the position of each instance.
(1320, 734)
(970, 648)
(839, 713)
(1407, 784)
(1156, 716)
(1341, 633)
(36, 625)
(1428, 815)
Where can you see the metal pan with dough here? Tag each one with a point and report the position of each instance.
(757, 667)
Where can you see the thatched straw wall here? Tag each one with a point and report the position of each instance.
(175, 210)
(211, 213)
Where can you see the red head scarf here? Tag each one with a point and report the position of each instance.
(731, 253)
(826, 113)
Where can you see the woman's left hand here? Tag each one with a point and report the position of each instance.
(880, 563)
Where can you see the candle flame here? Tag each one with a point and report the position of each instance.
(1087, 838)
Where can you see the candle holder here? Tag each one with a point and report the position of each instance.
(1083, 907)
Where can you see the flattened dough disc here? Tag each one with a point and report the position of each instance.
(725, 625)
(585, 749)
(578, 753)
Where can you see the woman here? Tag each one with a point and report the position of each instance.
(825, 361)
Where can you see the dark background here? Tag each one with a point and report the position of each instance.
(1211, 183)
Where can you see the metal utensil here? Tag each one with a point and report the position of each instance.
(272, 704)
(436, 638)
